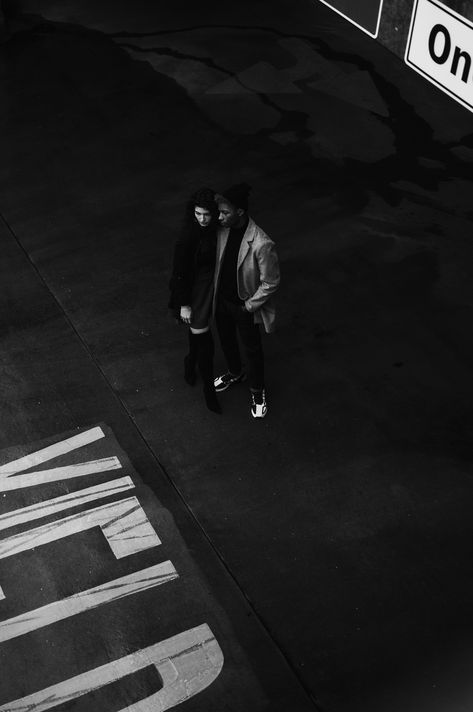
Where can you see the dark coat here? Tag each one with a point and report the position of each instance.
(195, 247)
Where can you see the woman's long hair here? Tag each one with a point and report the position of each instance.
(202, 198)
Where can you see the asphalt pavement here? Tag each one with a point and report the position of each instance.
(327, 549)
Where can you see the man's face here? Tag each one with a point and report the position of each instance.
(228, 215)
(202, 216)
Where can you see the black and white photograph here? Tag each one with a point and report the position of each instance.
(236, 362)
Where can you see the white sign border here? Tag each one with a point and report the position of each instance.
(360, 27)
(422, 72)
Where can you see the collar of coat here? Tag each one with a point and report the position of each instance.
(248, 237)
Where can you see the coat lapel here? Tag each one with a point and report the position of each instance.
(221, 243)
(248, 238)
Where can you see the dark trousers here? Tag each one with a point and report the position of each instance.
(232, 321)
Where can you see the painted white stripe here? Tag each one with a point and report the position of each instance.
(68, 472)
(187, 663)
(357, 24)
(67, 501)
(2, 595)
(87, 600)
(52, 451)
(124, 524)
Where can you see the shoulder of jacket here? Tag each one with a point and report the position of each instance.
(259, 234)
(261, 239)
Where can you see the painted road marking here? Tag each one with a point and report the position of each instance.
(365, 14)
(67, 501)
(187, 663)
(31, 479)
(87, 600)
(124, 525)
(52, 451)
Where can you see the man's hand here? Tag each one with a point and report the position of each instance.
(186, 314)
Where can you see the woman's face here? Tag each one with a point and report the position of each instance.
(203, 216)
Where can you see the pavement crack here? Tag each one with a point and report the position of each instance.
(168, 52)
(289, 120)
(412, 136)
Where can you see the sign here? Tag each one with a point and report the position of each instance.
(440, 47)
(365, 14)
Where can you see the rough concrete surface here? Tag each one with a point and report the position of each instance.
(341, 523)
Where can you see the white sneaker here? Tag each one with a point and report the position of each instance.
(227, 379)
(259, 407)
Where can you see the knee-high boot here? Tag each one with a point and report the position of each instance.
(190, 360)
(205, 361)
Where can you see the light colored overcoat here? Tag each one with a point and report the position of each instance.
(257, 273)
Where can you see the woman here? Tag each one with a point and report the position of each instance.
(192, 288)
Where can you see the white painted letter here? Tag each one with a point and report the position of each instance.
(11, 479)
(187, 663)
(66, 501)
(123, 523)
(52, 451)
(67, 472)
(86, 600)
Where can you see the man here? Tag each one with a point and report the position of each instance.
(246, 276)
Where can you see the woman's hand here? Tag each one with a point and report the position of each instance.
(186, 314)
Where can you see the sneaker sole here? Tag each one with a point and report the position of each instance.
(221, 389)
(259, 417)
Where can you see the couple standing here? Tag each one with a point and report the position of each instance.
(225, 266)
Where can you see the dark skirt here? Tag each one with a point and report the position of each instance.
(202, 295)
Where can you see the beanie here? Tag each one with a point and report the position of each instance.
(237, 195)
